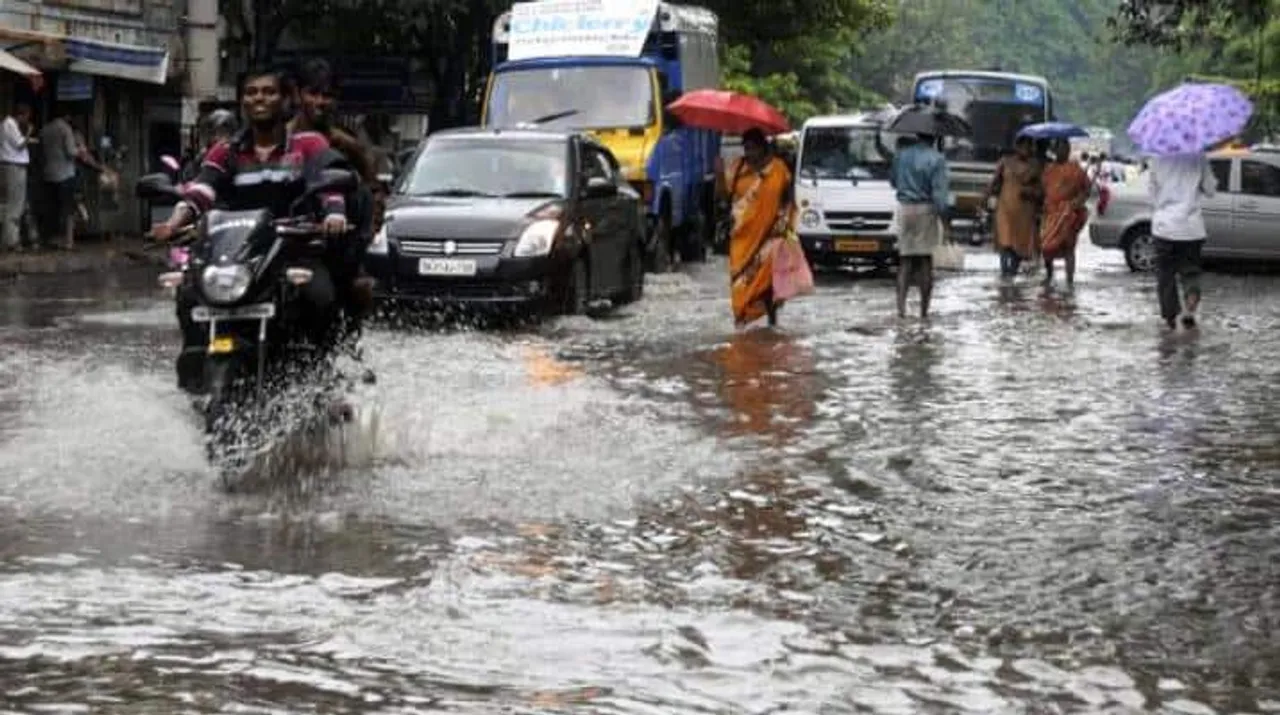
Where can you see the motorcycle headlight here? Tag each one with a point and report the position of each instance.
(378, 246)
(225, 284)
(810, 219)
(537, 239)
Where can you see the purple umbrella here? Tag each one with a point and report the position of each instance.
(1190, 118)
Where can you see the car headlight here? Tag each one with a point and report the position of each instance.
(378, 246)
(225, 284)
(810, 219)
(537, 239)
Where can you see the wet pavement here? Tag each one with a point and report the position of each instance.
(1033, 504)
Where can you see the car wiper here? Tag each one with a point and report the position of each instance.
(452, 192)
(533, 195)
(553, 117)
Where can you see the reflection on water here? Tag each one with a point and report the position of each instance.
(912, 364)
(1059, 304)
(769, 382)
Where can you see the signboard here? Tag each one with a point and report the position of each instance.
(119, 7)
(982, 90)
(566, 28)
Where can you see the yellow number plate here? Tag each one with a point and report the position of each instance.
(849, 245)
(221, 346)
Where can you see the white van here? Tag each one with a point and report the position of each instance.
(847, 208)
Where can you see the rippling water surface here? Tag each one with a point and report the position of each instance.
(1034, 504)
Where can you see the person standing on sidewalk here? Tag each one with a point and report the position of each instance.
(15, 158)
(1177, 185)
(61, 152)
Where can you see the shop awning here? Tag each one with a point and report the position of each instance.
(143, 64)
(11, 63)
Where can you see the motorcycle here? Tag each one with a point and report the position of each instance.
(246, 271)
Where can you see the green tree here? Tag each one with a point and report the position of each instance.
(793, 53)
(1229, 41)
(1094, 80)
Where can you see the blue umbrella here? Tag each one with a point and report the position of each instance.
(1052, 130)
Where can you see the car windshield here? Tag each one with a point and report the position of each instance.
(592, 97)
(488, 167)
(846, 153)
(995, 108)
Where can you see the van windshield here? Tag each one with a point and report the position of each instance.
(852, 152)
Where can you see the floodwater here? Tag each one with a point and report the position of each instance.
(1034, 504)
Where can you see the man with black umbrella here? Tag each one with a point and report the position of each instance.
(919, 177)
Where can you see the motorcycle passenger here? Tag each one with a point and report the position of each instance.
(220, 126)
(317, 104)
(259, 168)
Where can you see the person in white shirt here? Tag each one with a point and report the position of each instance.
(1177, 185)
(15, 157)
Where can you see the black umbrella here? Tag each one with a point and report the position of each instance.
(929, 121)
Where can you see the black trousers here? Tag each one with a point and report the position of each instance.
(1177, 261)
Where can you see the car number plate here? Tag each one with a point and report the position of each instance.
(260, 311)
(445, 267)
(851, 245)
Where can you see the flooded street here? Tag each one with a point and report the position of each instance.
(1034, 504)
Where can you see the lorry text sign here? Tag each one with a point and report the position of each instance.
(566, 28)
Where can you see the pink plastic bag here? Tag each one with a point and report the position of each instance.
(791, 273)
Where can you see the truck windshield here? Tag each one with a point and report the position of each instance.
(995, 108)
(845, 153)
(604, 97)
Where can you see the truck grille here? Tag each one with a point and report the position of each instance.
(864, 221)
(436, 247)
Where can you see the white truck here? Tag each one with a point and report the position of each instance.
(847, 208)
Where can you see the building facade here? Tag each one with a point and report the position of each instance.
(120, 69)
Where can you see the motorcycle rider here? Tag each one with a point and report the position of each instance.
(258, 168)
(317, 105)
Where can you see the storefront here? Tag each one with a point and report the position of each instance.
(118, 98)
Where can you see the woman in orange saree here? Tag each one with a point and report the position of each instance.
(759, 187)
(1066, 191)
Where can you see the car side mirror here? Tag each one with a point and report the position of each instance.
(598, 187)
(156, 186)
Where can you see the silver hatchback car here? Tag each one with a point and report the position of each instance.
(1243, 218)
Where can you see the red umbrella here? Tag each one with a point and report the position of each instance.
(727, 112)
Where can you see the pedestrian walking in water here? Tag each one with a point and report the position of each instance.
(1066, 191)
(759, 186)
(1178, 183)
(15, 158)
(1016, 188)
(919, 178)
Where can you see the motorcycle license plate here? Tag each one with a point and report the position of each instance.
(222, 346)
(261, 311)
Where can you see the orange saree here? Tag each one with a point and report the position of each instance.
(760, 219)
(1066, 188)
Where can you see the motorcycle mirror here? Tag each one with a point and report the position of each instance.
(155, 186)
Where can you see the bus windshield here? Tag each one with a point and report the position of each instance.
(848, 152)
(995, 108)
(590, 97)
